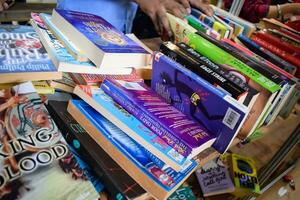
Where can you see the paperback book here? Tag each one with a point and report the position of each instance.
(23, 57)
(35, 159)
(132, 157)
(103, 44)
(215, 110)
(184, 134)
(116, 181)
(60, 55)
(134, 128)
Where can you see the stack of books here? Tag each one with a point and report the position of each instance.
(219, 80)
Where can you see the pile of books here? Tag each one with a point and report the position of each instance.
(140, 141)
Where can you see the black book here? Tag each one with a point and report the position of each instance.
(201, 69)
(116, 181)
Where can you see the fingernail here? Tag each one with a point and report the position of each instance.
(188, 10)
(170, 33)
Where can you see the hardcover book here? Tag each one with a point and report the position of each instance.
(61, 57)
(103, 44)
(35, 160)
(23, 57)
(184, 134)
(134, 128)
(138, 162)
(214, 178)
(214, 109)
(114, 178)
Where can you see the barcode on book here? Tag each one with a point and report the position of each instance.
(231, 118)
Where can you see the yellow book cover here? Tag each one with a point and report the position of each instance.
(42, 87)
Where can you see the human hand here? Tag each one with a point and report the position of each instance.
(157, 11)
(5, 4)
(290, 8)
(203, 5)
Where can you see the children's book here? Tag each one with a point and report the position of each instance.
(145, 168)
(35, 159)
(104, 45)
(181, 132)
(134, 128)
(60, 56)
(23, 57)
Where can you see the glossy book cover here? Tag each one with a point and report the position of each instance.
(35, 160)
(22, 51)
(150, 137)
(101, 33)
(214, 109)
(174, 127)
(143, 159)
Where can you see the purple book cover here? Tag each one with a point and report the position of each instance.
(101, 33)
(174, 127)
(214, 109)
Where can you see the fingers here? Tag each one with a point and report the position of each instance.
(203, 5)
(186, 5)
(164, 22)
(5, 5)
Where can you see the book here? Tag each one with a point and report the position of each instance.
(103, 44)
(23, 57)
(184, 192)
(267, 88)
(134, 128)
(244, 174)
(234, 78)
(214, 178)
(35, 158)
(237, 28)
(215, 110)
(65, 84)
(114, 178)
(200, 68)
(61, 57)
(139, 163)
(68, 44)
(42, 87)
(184, 134)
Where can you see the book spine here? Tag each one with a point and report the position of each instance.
(70, 130)
(147, 118)
(220, 56)
(216, 68)
(267, 54)
(277, 51)
(204, 71)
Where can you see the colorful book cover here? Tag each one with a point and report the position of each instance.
(22, 51)
(143, 134)
(138, 155)
(35, 159)
(42, 87)
(214, 109)
(61, 56)
(184, 134)
(101, 33)
(183, 193)
(117, 182)
(214, 178)
(77, 53)
(238, 29)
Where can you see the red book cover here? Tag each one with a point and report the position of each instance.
(290, 34)
(250, 53)
(294, 51)
(284, 55)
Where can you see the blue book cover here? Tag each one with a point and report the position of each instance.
(146, 135)
(22, 51)
(218, 112)
(166, 178)
(100, 32)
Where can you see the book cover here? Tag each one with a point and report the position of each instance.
(42, 87)
(134, 128)
(35, 159)
(159, 182)
(182, 133)
(214, 178)
(214, 109)
(99, 40)
(184, 192)
(237, 28)
(114, 178)
(60, 55)
(72, 49)
(23, 57)
(65, 84)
